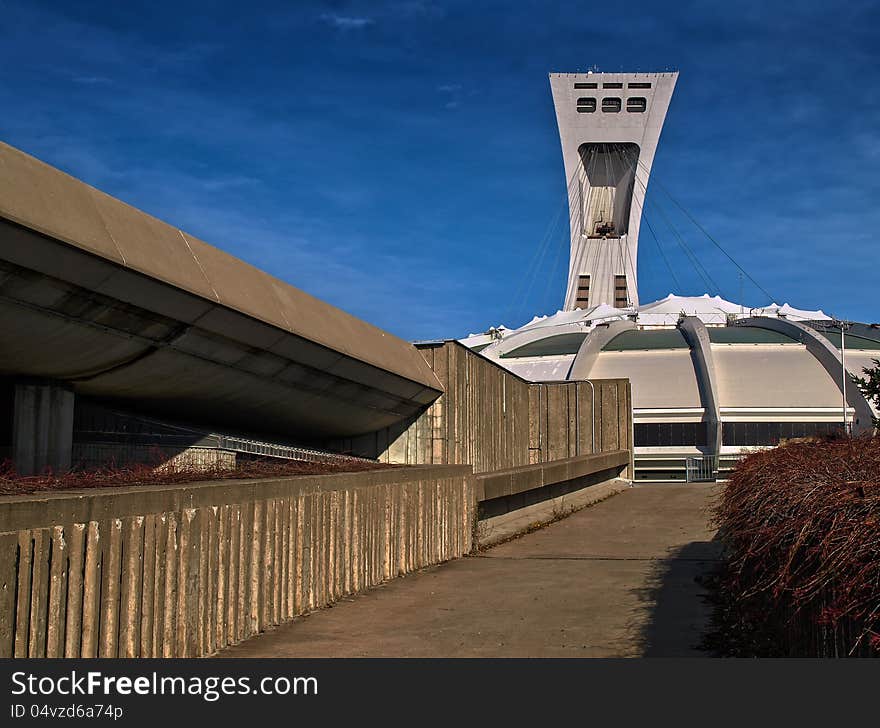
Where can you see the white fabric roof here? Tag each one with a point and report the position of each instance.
(664, 312)
(540, 369)
(789, 312)
(587, 316)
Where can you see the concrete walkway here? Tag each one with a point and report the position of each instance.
(613, 580)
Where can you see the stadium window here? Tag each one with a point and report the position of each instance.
(771, 433)
(611, 104)
(670, 434)
(586, 105)
(612, 84)
(636, 104)
(638, 84)
(586, 85)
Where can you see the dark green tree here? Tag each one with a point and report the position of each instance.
(870, 386)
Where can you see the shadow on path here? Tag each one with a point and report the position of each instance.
(681, 613)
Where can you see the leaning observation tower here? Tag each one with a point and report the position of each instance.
(709, 377)
(609, 125)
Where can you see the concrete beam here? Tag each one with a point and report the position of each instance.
(697, 336)
(828, 356)
(42, 429)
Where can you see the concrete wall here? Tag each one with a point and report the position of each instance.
(567, 419)
(180, 571)
(481, 419)
(492, 419)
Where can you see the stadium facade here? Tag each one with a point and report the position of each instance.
(710, 377)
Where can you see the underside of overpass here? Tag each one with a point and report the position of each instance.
(98, 299)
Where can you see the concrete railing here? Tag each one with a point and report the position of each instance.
(515, 500)
(514, 481)
(184, 570)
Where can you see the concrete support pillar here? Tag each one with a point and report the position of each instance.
(697, 336)
(42, 428)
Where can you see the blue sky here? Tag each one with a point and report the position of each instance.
(401, 160)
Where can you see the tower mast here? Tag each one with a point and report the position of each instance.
(609, 126)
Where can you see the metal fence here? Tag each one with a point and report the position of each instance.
(702, 469)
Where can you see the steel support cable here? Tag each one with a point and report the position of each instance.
(710, 283)
(538, 253)
(550, 274)
(573, 195)
(698, 267)
(631, 281)
(584, 250)
(713, 240)
(578, 224)
(558, 248)
(602, 154)
(527, 280)
(643, 214)
(662, 254)
(589, 251)
(624, 247)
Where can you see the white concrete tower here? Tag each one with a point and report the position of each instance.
(609, 124)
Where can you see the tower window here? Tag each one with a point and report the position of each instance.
(638, 84)
(583, 292)
(636, 104)
(586, 105)
(612, 85)
(621, 299)
(611, 104)
(586, 85)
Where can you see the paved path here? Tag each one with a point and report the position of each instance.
(613, 580)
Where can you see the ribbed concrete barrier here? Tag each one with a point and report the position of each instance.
(184, 570)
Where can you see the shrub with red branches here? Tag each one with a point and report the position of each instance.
(801, 526)
(153, 474)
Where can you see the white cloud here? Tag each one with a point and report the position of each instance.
(346, 22)
(92, 80)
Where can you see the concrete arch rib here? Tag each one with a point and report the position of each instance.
(697, 337)
(589, 351)
(827, 355)
(520, 338)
